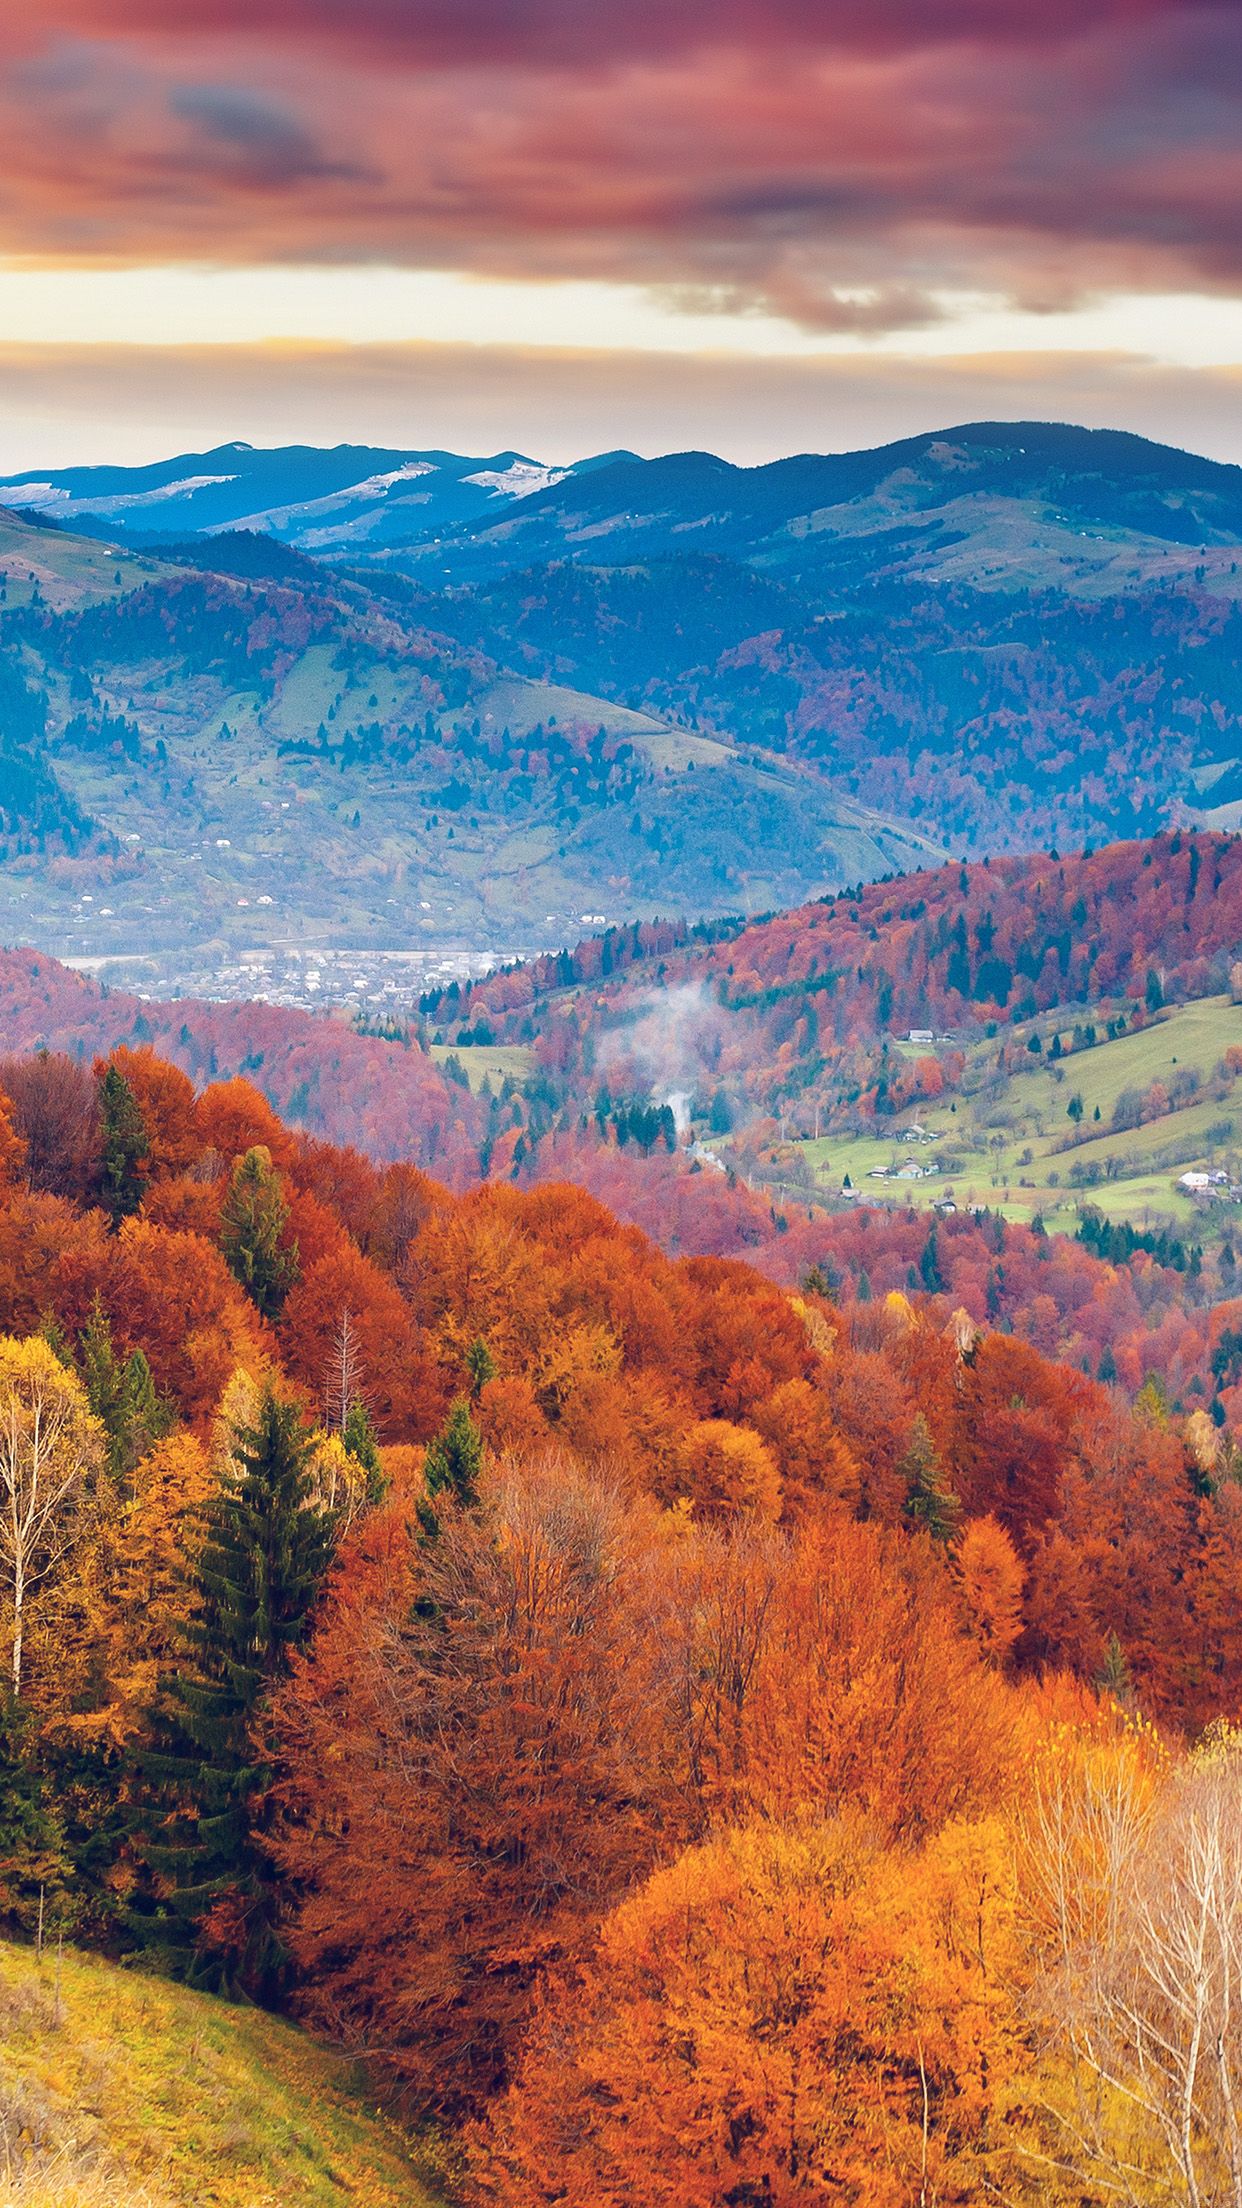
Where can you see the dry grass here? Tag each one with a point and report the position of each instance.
(123, 2091)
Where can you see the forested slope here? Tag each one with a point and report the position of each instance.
(595, 1687)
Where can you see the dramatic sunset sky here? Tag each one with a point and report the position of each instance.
(759, 225)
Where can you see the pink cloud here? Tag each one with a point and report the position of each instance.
(778, 152)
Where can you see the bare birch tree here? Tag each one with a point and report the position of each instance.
(343, 1379)
(51, 1446)
(1147, 1980)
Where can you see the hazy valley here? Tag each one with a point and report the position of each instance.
(642, 687)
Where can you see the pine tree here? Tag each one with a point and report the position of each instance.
(453, 1463)
(124, 1147)
(930, 1505)
(252, 1228)
(253, 1586)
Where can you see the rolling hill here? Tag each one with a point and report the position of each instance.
(756, 1092)
(242, 749)
(343, 500)
(996, 504)
(1027, 1035)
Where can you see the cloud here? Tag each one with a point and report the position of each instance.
(268, 146)
(565, 34)
(843, 163)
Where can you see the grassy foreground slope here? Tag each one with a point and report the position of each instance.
(135, 2093)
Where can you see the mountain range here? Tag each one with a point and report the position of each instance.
(348, 500)
(375, 698)
(994, 504)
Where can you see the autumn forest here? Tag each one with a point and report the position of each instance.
(694, 1740)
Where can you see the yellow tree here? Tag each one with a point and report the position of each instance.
(1142, 1921)
(729, 1471)
(150, 1589)
(51, 1448)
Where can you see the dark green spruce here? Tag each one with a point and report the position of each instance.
(252, 1233)
(210, 1909)
(124, 1146)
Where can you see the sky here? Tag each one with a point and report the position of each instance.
(760, 226)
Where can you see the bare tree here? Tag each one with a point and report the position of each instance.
(50, 1447)
(1147, 1983)
(343, 1378)
(55, 1102)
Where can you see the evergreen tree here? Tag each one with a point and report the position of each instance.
(254, 1585)
(1113, 1676)
(359, 1437)
(930, 1505)
(929, 1265)
(480, 1365)
(453, 1463)
(121, 1393)
(124, 1147)
(252, 1228)
(34, 1866)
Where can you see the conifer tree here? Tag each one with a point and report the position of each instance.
(121, 1393)
(253, 1586)
(480, 1366)
(455, 1456)
(930, 1505)
(252, 1229)
(929, 1265)
(124, 1147)
(453, 1462)
(360, 1441)
(1113, 1676)
(34, 1865)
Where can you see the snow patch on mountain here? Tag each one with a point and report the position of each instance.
(518, 481)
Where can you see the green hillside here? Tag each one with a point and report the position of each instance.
(1011, 1143)
(122, 2091)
